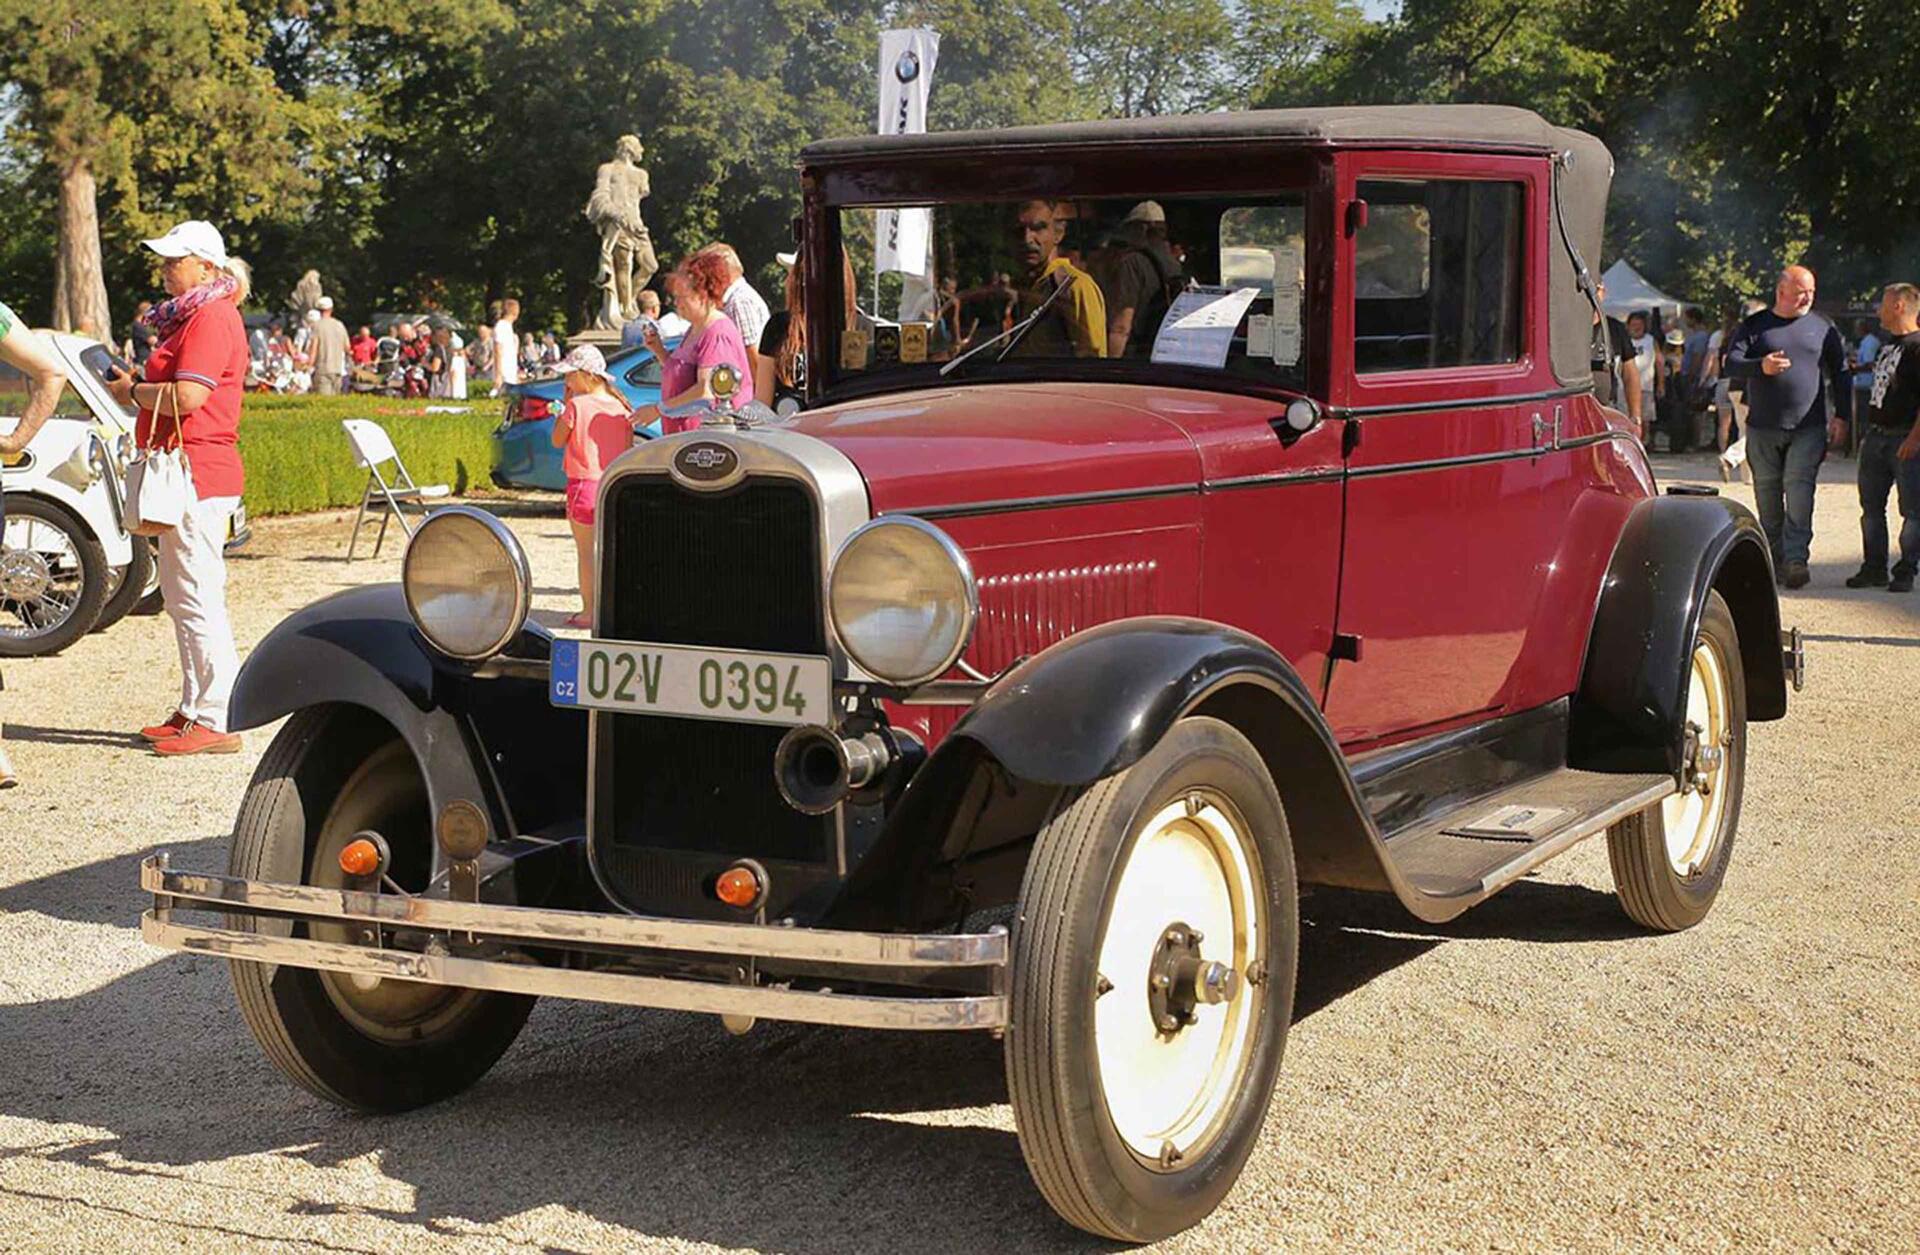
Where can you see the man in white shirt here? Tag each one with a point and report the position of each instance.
(1645, 352)
(506, 347)
(746, 307)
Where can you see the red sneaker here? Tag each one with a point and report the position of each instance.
(198, 738)
(175, 724)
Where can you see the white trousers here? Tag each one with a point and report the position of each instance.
(193, 579)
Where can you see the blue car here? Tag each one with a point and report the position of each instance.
(523, 452)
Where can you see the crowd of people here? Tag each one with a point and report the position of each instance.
(1773, 388)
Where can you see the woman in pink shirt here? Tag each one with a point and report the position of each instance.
(591, 432)
(686, 374)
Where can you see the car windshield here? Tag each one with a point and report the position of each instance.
(1079, 287)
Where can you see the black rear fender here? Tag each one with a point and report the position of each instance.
(1629, 713)
(496, 741)
(1087, 707)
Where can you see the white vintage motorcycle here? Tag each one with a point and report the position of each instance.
(67, 564)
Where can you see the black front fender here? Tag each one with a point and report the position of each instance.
(493, 741)
(1673, 551)
(1083, 709)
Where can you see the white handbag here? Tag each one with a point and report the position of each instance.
(159, 483)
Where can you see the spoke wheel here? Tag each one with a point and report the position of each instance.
(53, 578)
(1670, 860)
(1152, 985)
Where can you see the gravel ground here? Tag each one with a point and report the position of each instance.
(1538, 1075)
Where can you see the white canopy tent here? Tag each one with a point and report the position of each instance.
(1628, 290)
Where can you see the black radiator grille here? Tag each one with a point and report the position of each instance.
(734, 570)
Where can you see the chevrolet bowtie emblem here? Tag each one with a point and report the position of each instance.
(706, 464)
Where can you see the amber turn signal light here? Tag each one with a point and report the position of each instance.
(360, 858)
(738, 887)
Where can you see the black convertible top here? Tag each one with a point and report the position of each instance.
(1495, 126)
(1580, 185)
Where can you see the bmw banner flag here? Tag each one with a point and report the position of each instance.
(906, 75)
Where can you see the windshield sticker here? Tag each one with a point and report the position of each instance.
(1288, 274)
(853, 349)
(913, 342)
(886, 345)
(1286, 345)
(1259, 335)
(1199, 327)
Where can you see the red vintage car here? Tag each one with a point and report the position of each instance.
(1240, 518)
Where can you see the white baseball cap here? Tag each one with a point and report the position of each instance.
(192, 238)
(1146, 211)
(585, 358)
(326, 302)
(786, 259)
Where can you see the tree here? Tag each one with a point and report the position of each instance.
(159, 105)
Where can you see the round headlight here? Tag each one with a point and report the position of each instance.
(467, 583)
(903, 600)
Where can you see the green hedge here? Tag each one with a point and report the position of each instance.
(298, 458)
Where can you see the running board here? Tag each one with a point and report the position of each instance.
(1473, 851)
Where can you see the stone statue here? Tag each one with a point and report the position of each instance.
(626, 250)
(305, 295)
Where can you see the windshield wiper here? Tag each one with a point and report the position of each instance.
(1012, 334)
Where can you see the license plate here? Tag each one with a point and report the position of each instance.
(642, 679)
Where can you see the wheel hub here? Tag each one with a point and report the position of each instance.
(1180, 978)
(24, 575)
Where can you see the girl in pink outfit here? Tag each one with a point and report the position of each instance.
(696, 287)
(591, 432)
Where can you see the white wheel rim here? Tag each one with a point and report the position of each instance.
(1691, 818)
(1190, 865)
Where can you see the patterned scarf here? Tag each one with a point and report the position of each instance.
(172, 314)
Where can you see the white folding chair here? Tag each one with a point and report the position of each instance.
(372, 448)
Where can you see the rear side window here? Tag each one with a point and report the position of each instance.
(1436, 274)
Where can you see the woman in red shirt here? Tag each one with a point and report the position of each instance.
(190, 395)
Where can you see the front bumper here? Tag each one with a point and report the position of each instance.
(444, 926)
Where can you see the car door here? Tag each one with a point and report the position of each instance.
(1450, 402)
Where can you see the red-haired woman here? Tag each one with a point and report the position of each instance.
(696, 287)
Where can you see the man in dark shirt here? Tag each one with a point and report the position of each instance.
(1890, 446)
(1137, 275)
(1790, 357)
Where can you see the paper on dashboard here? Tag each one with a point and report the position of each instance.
(1198, 329)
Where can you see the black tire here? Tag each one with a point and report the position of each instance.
(332, 769)
(128, 586)
(1079, 1158)
(78, 618)
(1653, 891)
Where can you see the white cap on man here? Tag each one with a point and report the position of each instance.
(193, 238)
(1146, 211)
(326, 302)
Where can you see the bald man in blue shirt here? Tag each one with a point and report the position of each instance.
(1790, 358)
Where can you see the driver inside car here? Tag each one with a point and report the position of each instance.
(1075, 324)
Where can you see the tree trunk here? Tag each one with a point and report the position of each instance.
(79, 286)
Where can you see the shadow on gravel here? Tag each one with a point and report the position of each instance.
(795, 1137)
(72, 736)
(1348, 939)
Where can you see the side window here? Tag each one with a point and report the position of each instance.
(1436, 274)
(647, 371)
